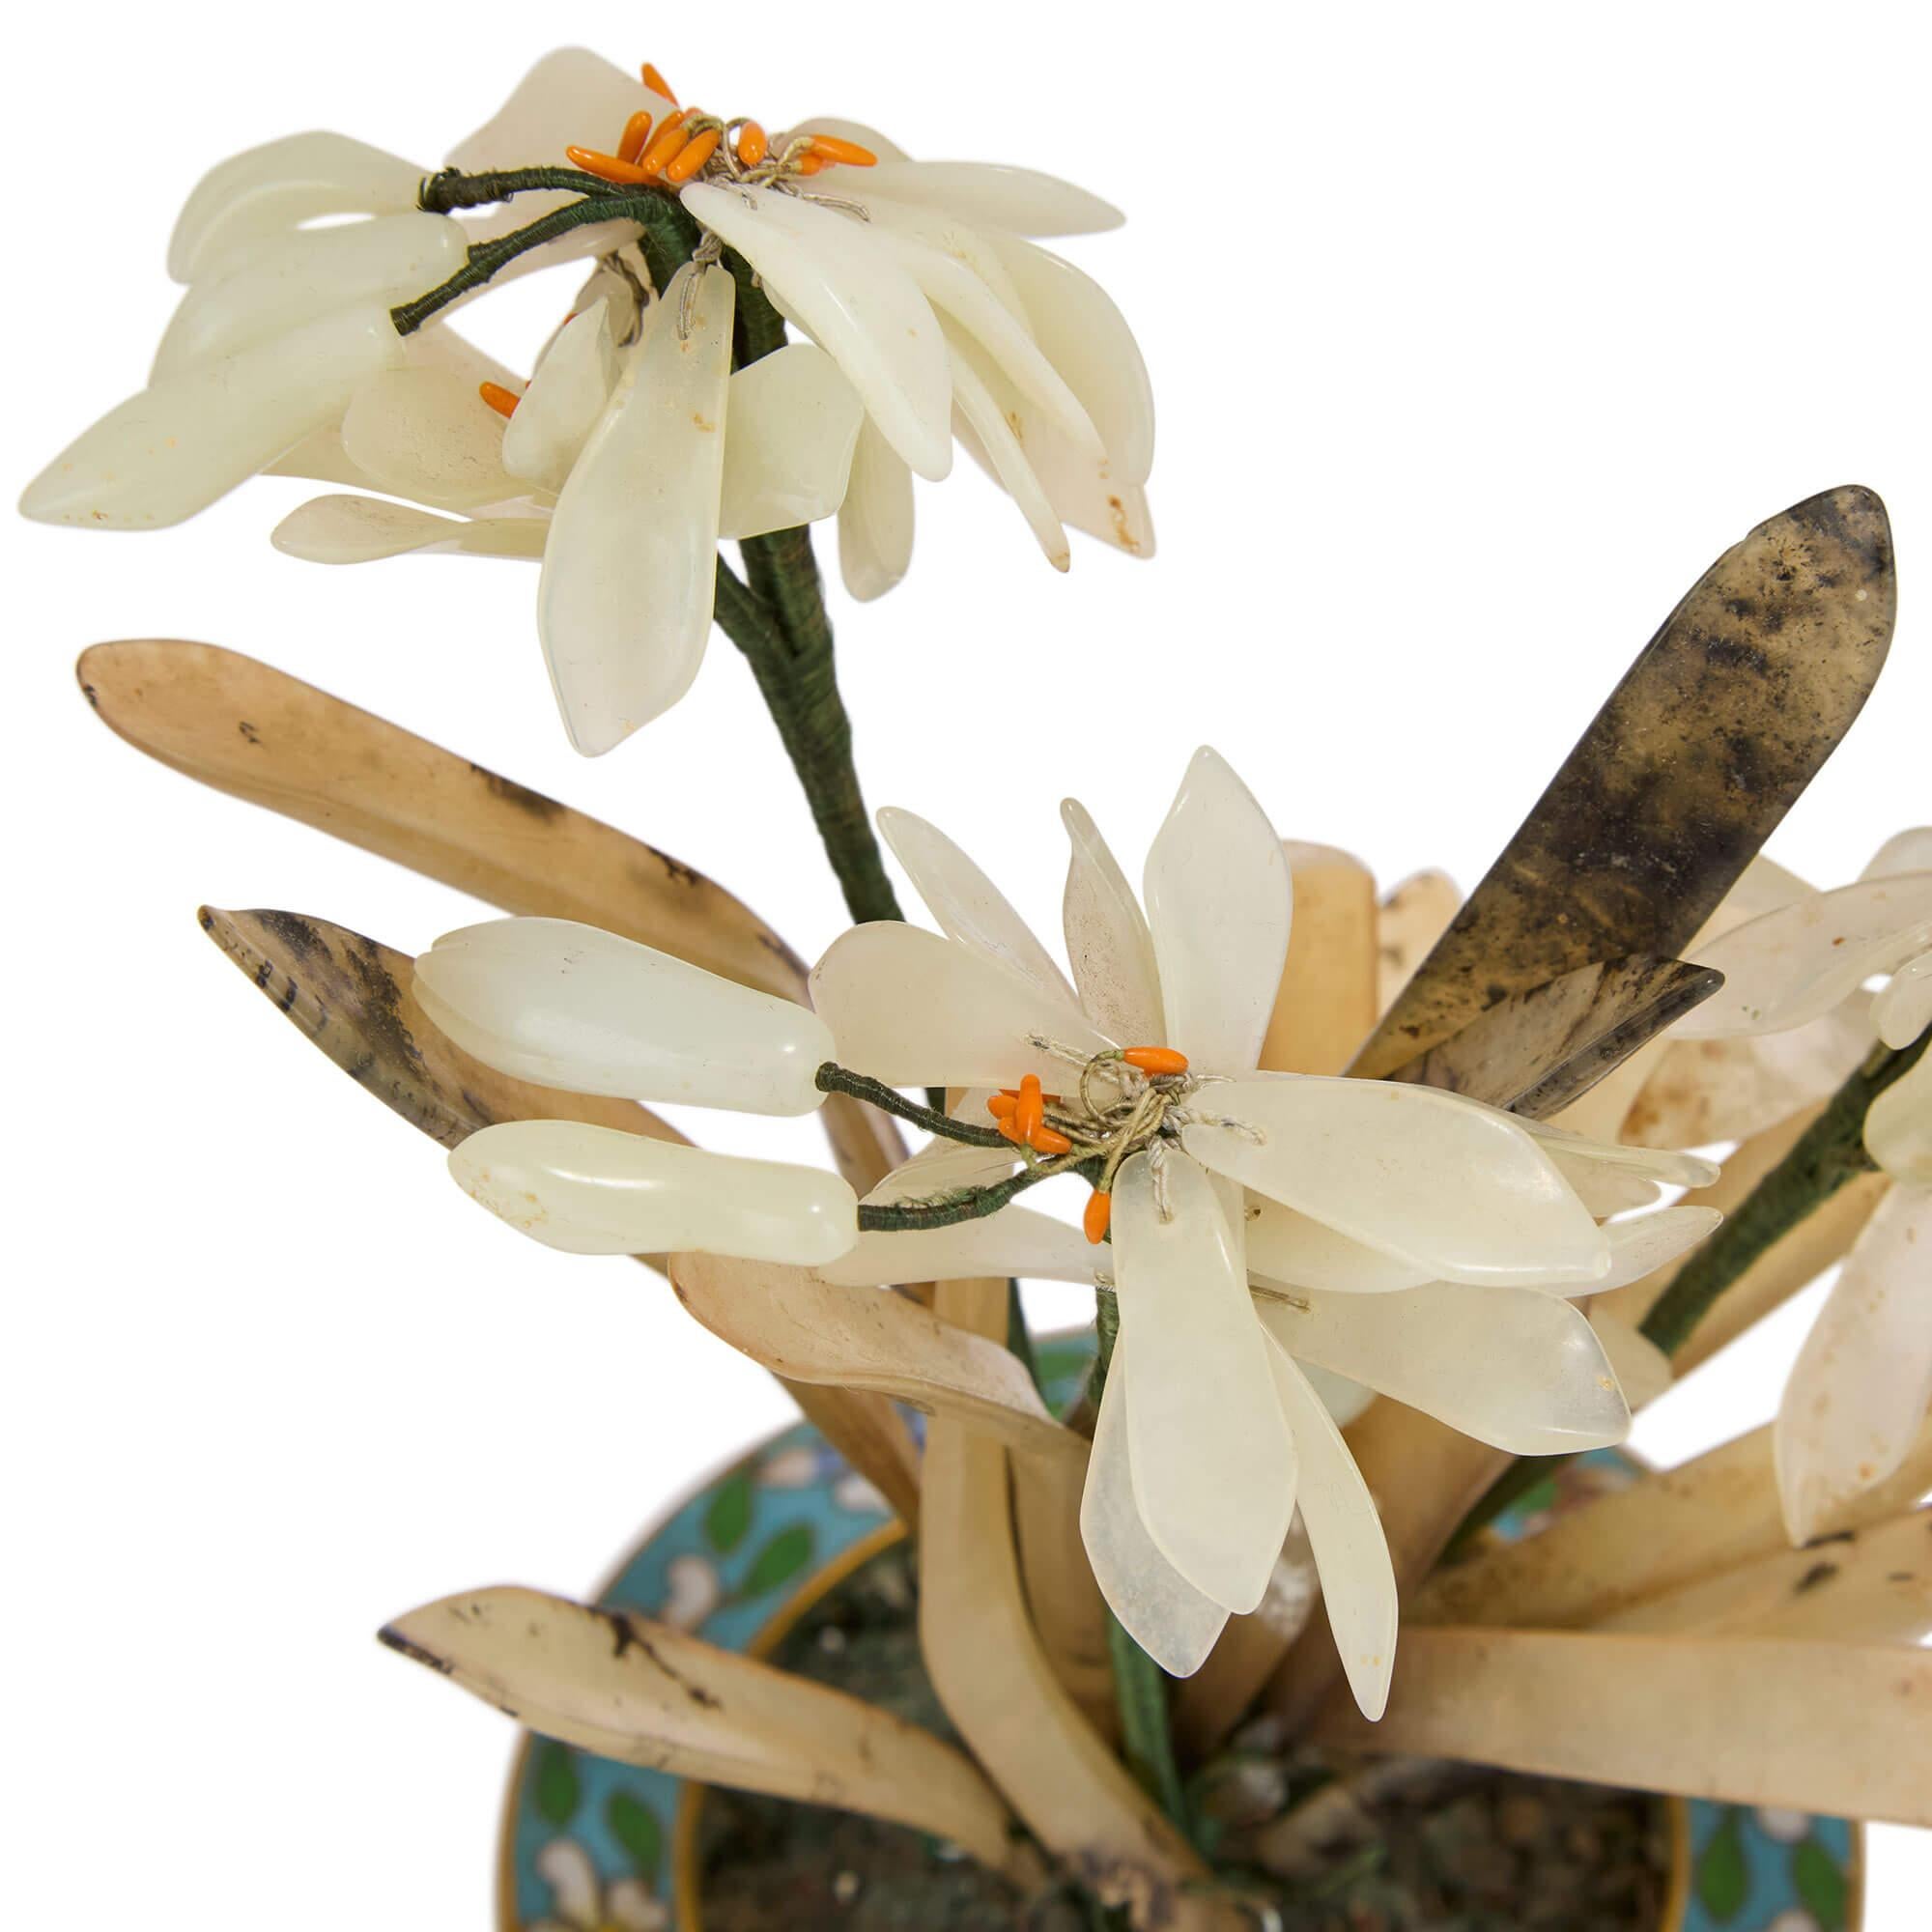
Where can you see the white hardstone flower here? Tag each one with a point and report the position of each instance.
(573, 1007)
(1863, 1379)
(635, 450)
(1398, 1236)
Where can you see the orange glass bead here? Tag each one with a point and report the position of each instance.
(670, 138)
(1099, 1212)
(1000, 1105)
(607, 167)
(829, 147)
(1030, 1111)
(752, 144)
(692, 157)
(1049, 1139)
(808, 164)
(503, 401)
(1155, 1059)
(637, 131)
(657, 83)
(1009, 1130)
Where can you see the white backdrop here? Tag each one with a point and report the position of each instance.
(1476, 333)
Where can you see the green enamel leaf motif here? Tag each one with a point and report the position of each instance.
(729, 1516)
(781, 1559)
(1723, 1882)
(557, 1787)
(634, 1826)
(1820, 1884)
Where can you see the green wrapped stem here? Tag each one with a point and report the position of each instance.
(1826, 1156)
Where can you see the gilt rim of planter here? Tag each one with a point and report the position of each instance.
(683, 1890)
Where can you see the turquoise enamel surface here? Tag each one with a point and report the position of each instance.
(728, 1560)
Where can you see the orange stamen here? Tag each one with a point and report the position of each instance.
(503, 401)
(637, 131)
(1155, 1059)
(692, 157)
(657, 83)
(1099, 1212)
(832, 148)
(1000, 1105)
(607, 167)
(1049, 1139)
(670, 138)
(1029, 1110)
(753, 146)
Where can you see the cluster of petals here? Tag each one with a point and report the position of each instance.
(1282, 1246)
(1793, 1019)
(922, 311)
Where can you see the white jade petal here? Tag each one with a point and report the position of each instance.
(875, 518)
(914, 1010)
(1108, 943)
(598, 1191)
(1087, 339)
(1520, 1371)
(1898, 1129)
(1791, 966)
(1076, 483)
(573, 1007)
(425, 434)
(1219, 904)
(863, 310)
(984, 192)
(321, 456)
(1165, 1614)
(794, 425)
(1343, 1397)
(570, 95)
(1350, 1551)
(943, 1166)
(1647, 1242)
(310, 273)
(1459, 1190)
(967, 905)
(842, 129)
(1293, 1251)
(1642, 1368)
(361, 529)
(263, 194)
(570, 389)
(1857, 1396)
(1001, 336)
(1015, 1241)
(1705, 1090)
(978, 407)
(976, 250)
(624, 605)
(1213, 1463)
(1576, 1156)
(173, 449)
(1909, 851)
(1903, 1010)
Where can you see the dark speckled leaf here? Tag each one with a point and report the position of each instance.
(1535, 1052)
(1714, 732)
(353, 998)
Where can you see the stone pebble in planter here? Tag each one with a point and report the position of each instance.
(590, 1845)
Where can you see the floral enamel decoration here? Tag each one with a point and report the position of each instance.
(1795, 973)
(1398, 1238)
(667, 412)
